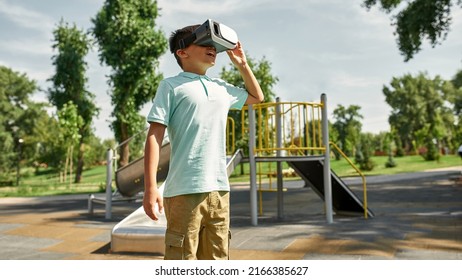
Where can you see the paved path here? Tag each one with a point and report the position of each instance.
(417, 216)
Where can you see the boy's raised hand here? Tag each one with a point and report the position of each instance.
(237, 55)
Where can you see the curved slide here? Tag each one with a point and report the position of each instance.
(130, 178)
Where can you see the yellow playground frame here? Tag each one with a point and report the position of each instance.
(282, 131)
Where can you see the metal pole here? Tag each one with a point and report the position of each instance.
(108, 206)
(18, 166)
(278, 163)
(327, 172)
(253, 168)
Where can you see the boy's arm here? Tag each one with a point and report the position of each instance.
(151, 162)
(237, 56)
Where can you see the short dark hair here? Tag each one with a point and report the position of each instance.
(177, 36)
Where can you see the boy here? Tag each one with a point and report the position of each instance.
(194, 110)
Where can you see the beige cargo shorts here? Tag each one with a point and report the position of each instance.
(197, 226)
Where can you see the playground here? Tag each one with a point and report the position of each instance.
(417, 216)
(321, 216)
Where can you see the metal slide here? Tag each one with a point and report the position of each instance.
(129, 181)
(130, 178)
(344, 201)
(137, 232)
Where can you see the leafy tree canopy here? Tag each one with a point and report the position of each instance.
(20, 117)
(421, 114)
(348, 127)
(417, 21)
(69, 81)
(130, 44)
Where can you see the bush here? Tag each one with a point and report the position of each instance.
(367, 165)
(390, 162)
(432, 152)
(363, 158)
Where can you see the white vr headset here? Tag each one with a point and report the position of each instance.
(212, 33)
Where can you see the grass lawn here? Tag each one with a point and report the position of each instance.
(93, 179)
(343, 169)
(404, 165)
(48, 183)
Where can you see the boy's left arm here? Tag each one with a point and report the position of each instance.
(237, 56)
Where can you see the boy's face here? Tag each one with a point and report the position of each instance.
(199, 57)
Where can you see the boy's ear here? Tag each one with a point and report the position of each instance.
(181, 53)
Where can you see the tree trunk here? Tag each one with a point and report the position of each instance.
(71, 164)
(124, 149)
(66, 164)
(78, 172)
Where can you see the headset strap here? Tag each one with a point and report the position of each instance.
(184, 43)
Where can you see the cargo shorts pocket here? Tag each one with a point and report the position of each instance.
(174, 243)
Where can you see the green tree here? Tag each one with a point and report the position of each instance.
(457, 97)
(45, 146)
(420, 113)
(380, 143)
(419, 20)
(457, 80)
(21, 118)
(398, 143)
(389, 144)
(129, 43)
(262, 72)
(69, 81)
(457, 101)
(70, 123)
(348, 126)
(15, 92)
(364, 152)
(403, 97)
(95, 151)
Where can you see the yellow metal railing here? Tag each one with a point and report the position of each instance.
(360, 174)
(300, 128)
(230, 136)
(300, 124)
(301, 133)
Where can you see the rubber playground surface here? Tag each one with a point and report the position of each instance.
(417, 216)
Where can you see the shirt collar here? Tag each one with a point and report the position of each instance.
(194, 76)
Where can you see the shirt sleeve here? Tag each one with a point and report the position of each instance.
(238, 96)
(161, 107)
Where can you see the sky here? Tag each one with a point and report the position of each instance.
(334, 47)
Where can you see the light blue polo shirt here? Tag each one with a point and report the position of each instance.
(195, 109)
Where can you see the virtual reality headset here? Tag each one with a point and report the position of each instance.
(212, 33)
